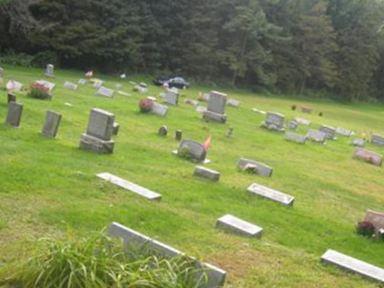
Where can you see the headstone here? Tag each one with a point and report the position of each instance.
(353, 265)
(377, 219)
(178, 135)
(302, 121)
(82, 82)
(14, 86)
(14, 114)
(292, 125)
(116, 128)
(368, 156)
(49, 71)
(256, 167)
(377, 139)
(233, 103)
(329, 131)
(271, 194)
(294, 137)
(233, 224)
(206, 173)
(49, 85)
(358, 142)
(191, 102)
(171, 97)
(307, 110)
(274, 121)
(11, 97)
(163, 130)
(216, 107)
(343, 132)
(316, 136)
(99, 132)
(103, 91)
(51, 125)
(215, 276)
(192, 150)
(141, 191)
(158, 109)
(70, 86)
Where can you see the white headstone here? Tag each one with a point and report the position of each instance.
(271, 194)
(239, 226)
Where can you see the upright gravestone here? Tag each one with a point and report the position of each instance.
(216, 107)
(377, 139)
(14, 114)
(11, 97)
(192, 150)
(255, 167)
(171, 97)
(98, 137)
(116, 128)
(328, 131)
(163, 131)
(178, 135)
(51, 125)
(368, 156)
(274, 121)
(50, 71)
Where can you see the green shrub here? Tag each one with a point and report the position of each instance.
(20, 59)
(98, 261)
(41, 59)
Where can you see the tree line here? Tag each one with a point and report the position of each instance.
(317, 47)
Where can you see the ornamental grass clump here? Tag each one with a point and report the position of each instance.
(97, 262)
(39, 91)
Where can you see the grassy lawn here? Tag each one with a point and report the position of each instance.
(49, 187)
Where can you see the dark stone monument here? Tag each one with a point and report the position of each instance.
(178, 135)
(163, 130)
(274, 121)
(15, 111)
(192, 150)
(51, 125)
(11, 97)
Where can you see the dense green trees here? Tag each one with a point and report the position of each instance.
(333, 47)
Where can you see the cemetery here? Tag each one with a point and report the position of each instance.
(215, 171)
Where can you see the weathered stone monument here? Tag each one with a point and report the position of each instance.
(106, 92)
(231, 223)
(377, 139)
(294, 137)
(51, 125)
(50, 71)
(316, 136)
(98, 137)
(11, 97)
(368, 156)
(271, 194)
(215, 276)
(330, 132)
(171, 97)
(192, 150)
(216, 107)
(274, 121)
(206, 173)
(255, 167)
(15, 111)
(163, 131)
(178, 135)
(158, 109)
(116, 128)
(48, 85)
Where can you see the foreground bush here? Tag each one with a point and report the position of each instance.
(39, 91)
(98, 262)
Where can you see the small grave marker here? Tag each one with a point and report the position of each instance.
(192, 150)
(51, 125)
(294, 137)
(159, 109)
(256, 167)
(274, 121)
(316, 136)
(231, 223)
(271, 194)
(178, 135)
(368, 156)
(50, 71)
(163, 131)
(106, 92)
(206, 173)
(15, 111)
(377, 139)
(328, 131)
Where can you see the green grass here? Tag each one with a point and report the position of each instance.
(49, 186)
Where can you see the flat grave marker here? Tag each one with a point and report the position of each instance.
(271, 194)
(257, 167)
(231, 223)
(206, 173)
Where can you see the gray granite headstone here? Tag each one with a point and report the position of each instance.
(329, 131)
(294, 137)
(171, 97)
(216, 107)
(106, 92)
(292, 125)
(99, 132)
(271, 194)
(206, 173)
(160, 110)
(233, 224)
(274, 121)
(215, 276)
(50, 71)
(192, 150)
(14, 114)
(377, 139)
(141, 191)
(51, 125)
(116, 128)
(256, 167)
(368, 156)
(316, 136)
(70, 86)
(353, 265)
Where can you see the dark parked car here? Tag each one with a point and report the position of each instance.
(173, 82)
